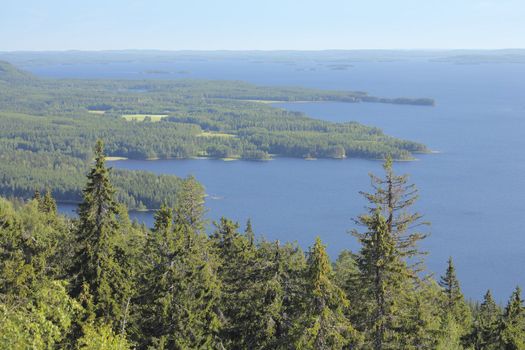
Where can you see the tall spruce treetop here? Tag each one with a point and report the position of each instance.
(248, 232)
(485, 331)
(48, 204)
(98, 210)
(450, 284)
(389, 259)
(99, 264)
(324, 324)
(190, 209)
(455, 305)
(393, 196)
(512, 335)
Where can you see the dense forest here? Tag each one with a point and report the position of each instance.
(103, 282)
(48, 128)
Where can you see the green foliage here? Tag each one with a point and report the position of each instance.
(484, 335)
(41, 322)
(387, 262)
(512, 332)
(102, 338)
(100, 267)
(323, 324)
(180, 285)
(454, 305)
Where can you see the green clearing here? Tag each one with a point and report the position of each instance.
(215, 134)
(142, 117)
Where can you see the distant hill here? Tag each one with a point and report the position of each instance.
(8, 72)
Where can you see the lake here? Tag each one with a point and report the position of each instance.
(473, 190)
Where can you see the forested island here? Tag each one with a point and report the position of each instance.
(49, 126)
(102, 282)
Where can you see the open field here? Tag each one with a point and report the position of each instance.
(141, 117)
(215, 134)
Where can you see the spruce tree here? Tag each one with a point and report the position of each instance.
(48, 204)
(181, 288)
(190, 209)
(100, 264)
(163, 219)
(512, 327)
(454, 306)
(323, 324)
(248, 232)
(420, 313)
(389, 259)
(238, 272)
(484, 335)
(37, 196)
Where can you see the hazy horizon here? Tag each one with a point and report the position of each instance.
(234, 25)
(274, 50)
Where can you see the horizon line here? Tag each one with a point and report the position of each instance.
(266, 50)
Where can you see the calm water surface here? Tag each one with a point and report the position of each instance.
(473, 191)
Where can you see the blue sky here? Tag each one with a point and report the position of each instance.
(263, 25)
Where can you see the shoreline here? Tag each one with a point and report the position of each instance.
(271, 157)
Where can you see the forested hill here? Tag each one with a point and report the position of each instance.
(49, 126)
(9, 73)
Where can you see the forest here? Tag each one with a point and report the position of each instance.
(100, 281)
(48, 128)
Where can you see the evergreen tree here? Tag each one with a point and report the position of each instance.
(248, 232)
(181, 288)
(455, 306)
(484, 335)
(32, 248)
(236, 269)
(163, 219)
(323, 324)
(190, 209)
(345, 270)
(388, 261)
(48, 203)
(512, 327)
(37, 196)
(100, 263)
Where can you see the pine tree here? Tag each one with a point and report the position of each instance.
(455, 306)
(100, 263)
(389, 259)
(323, 324)
(484, 335)
(512, 327)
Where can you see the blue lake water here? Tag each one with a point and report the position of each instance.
(473, 191)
